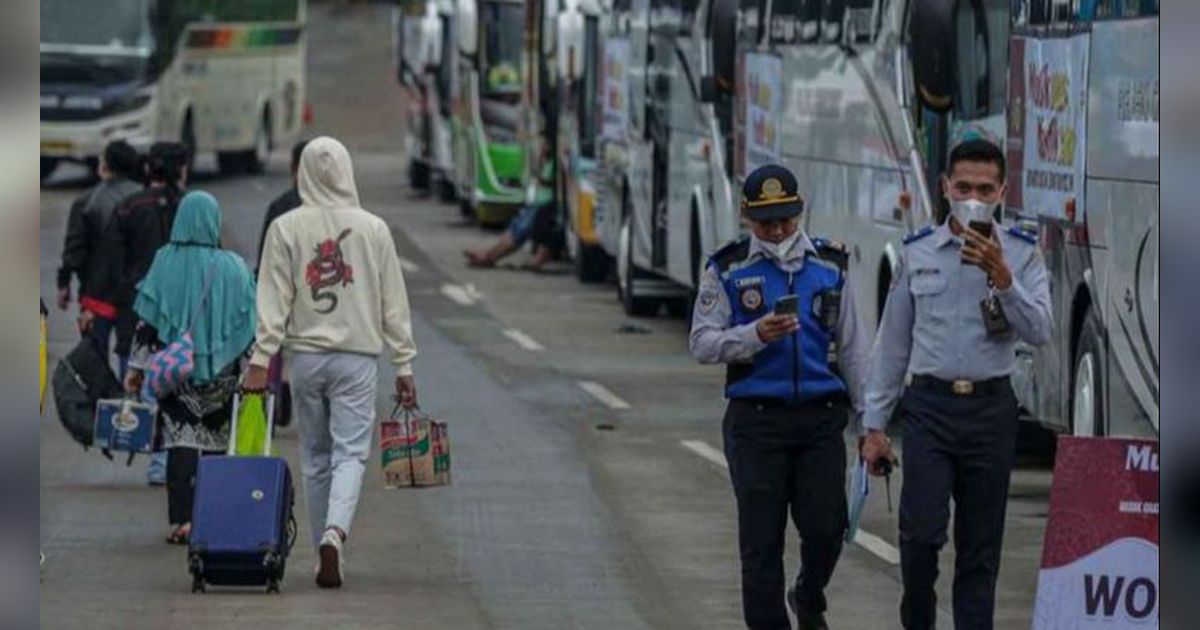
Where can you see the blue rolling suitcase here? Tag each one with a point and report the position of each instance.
(242, 521)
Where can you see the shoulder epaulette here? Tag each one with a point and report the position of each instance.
(832, 251)
(919, 234)
(730, 253)
(1028, 237)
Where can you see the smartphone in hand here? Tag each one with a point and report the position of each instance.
(983, 227)
(787, 305)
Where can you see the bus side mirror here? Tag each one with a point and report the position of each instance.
(931, 29)
(466, 21)
(723, 31)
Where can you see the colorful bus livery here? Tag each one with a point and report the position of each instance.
(236, 38)
(217, 76)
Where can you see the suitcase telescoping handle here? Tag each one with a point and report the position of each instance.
(237, 404)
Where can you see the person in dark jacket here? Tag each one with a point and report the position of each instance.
(88, 249)
(289, 200)
(286, 202)
(142, 224)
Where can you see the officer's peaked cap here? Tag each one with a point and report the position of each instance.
(771, 193)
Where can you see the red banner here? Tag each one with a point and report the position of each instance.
(1100, 559)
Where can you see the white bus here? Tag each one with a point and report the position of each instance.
(664, 175)
(876, 92)
(216, 75)
(1083, 149)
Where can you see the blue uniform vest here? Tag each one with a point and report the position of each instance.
(796, 368)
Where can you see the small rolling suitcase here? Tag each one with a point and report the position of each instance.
(242, 522)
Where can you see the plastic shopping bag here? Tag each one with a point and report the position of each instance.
(251, 426)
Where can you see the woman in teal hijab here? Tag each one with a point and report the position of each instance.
(194, 285)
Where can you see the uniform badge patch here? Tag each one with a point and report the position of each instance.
(771, 189)
(751, 298)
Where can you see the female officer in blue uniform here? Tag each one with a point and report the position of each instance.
(790, 376)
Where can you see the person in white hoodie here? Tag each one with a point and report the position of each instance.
(331, 295)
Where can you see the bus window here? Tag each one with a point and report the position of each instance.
(1116, 9)
(859, 24)
(502, 35)
(981, 48)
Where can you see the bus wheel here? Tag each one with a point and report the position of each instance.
(634, 304)
(418, 175)
(49, 164)
(1087, 409)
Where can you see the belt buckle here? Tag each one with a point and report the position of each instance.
(963, 387)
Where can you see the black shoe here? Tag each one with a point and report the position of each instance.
(805, 620)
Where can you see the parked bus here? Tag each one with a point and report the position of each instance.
(216, 75)
(425, 65)
(1085, 165)
(489, 157)
(665, 182)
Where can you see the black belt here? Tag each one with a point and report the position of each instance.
(987, 387)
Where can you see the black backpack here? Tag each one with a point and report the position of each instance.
(80, 379)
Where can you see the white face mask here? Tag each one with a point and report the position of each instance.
(779, 251)
(969, 210)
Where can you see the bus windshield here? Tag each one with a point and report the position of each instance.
(113, 27)
(502, 29)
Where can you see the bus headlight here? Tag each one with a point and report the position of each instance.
(132, 102)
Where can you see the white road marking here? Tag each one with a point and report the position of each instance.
(408, 266)
(707, 452)
(523, 340)
(473, 292)
(863, 538)
(877, 546)
(457, 294)
(601, 393)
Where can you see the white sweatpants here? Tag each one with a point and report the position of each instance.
(333, 402)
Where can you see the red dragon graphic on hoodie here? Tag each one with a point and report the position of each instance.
(328, 268)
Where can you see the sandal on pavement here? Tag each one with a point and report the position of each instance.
(180, 535)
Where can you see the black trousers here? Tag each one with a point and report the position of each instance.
(959, 447)
(783, 458)
(181, 482)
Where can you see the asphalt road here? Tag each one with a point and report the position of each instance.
(588, 491)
